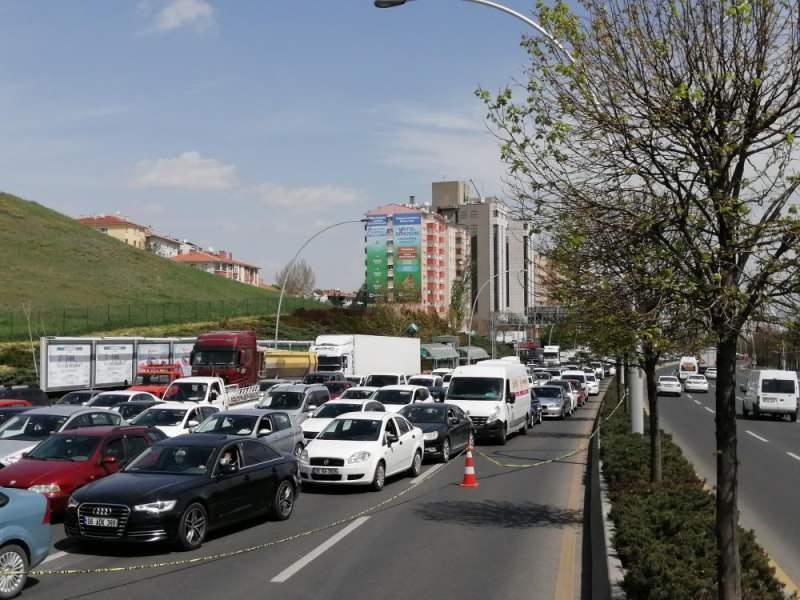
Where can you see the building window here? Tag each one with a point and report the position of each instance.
(495, 274)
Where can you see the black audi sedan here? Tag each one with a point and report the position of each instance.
(446, 428)
(181, 488)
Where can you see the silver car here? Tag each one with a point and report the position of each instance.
(24, 431)
(274, 427)
(298, 401)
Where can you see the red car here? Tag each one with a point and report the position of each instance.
(14, 403)
(66, 461)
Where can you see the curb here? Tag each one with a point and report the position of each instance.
(616, 573)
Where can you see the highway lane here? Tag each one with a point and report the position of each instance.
(768, 471)
(517, 536)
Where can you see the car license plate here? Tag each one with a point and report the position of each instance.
(769, 400)
(325, 471)
(100, 522)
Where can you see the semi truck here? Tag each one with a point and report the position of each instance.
(232, 355)
(362, 355)
(552, 356)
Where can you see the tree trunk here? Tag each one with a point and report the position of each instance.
(728, 564)
(650, 362)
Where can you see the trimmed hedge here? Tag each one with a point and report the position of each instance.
(665, 533)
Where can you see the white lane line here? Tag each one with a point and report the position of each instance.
(711, 410)
(54, 556)
(793, 455)
(314, 554)
(755, 435)
(698, 402)
(423, 476)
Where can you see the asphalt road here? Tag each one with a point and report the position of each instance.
(516, 536)
(769, 457)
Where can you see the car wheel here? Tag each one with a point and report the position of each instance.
(298, 450)
(282, 504)
(193, 527)
(379, 479)
(416, 465)
(503, 435)
(445, 453)
(14, 562)
(541, 418)
(525, 425)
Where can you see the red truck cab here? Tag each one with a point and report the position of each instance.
(156, 378)
(231, 355)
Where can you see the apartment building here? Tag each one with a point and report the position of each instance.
(221, 263)
(119, 228)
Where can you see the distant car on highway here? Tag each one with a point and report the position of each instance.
(592, 384)
(78, 397)
(363, 449)
(182, 488)
(446, 428)
(6, 412)
(695, 383)
(395, 397)
(68, 460)
(541, 377)
(298, 401)
(668, 384)
(711, 373)
(770, 391)
(576, 393)
(25, 537)
(384, 379)
(112, 399)
(336, 388)
(23, 431)
(361, 392)
(272, 426)
(554, 400)
(130, 410)
(330, 410)
(174, 418)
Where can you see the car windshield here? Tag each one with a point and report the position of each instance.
(777, 386)
(337, 388)
(181, 460)
(447, 378)
(352, 394)
(152, 379)
(25, 427)
(424, 413)
(74, 398)
(393, 396)
(548, 392)
(186, 392)
(216, 358)
(541, 376)
(161, 417)
(352, 430)
(228, 424)
(128, 411)
(333, 410)
(77, 448)
(109, 399)
(475, 388)
(423, 381)
(381, 380)
(590, 377)
(286, 400)
(668, 379)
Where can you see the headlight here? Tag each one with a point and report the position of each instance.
(72, 503)
(304, 456)
(157, 507)
(47, 488)
(493, 416)
(358, 457)
(430, 436)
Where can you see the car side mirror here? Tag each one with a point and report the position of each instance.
(192, 423)
(454, 421)
(312, 408)
(391, 438)
(227, 469)
(212, 396)
(25, 454)
(511, 399)
(109, 460)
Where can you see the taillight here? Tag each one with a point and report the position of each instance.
(46, 517)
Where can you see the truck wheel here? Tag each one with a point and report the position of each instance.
(13, 562)
(503, 436)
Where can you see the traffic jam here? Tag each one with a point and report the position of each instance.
(220, 430)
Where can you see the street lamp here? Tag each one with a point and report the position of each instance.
(475, 302)
(497, 6)
(294, 258)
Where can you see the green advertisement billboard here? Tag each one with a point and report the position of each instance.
(408, 257)
(376, 257)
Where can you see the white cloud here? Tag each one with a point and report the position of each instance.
(443, 120)
(188, 171)
(307, 197)
(198, 14)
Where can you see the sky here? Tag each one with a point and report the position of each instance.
(249, 125)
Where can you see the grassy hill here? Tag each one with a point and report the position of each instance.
(75, 280)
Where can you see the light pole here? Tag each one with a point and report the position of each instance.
(294, 258)
(475, 304)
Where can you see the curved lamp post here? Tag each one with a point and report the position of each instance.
(475, 303)
(294, 258)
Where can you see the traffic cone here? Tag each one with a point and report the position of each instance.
(470, 480)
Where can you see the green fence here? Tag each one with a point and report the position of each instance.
(78, 320)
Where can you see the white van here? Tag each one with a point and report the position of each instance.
(770, 392)
(688, 366)
(495, 395)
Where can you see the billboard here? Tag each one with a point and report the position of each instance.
(408, 259)
(69, 366)
(181, 354)
(150, 353)
(113, 363)
(376, 257)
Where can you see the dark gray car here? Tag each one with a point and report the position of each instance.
(298, 401)
(273, 426)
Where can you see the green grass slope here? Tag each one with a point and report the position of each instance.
(52, 261)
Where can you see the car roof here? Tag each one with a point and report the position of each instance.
(105, 430)
(248, 412)
(121, 393)
(152, 402)
(297, 387)
(350, 401)
(65, 410)
(201, 439)
(403, 387)
(363, 388)
(370, 415)
(186, 405)
(555, 387)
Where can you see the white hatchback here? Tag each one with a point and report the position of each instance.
(695, 383)
(363, 449)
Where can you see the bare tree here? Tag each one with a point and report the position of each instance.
(675, 120)
(299, 278)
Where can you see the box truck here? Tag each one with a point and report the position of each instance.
(362, 355)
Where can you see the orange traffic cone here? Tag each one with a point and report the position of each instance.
(470, 480)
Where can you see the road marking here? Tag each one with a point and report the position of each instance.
(54, 556)
(793, 455)
(698, 402)
(319, 550)
(755, 435)
(711, 410)
(423, 476)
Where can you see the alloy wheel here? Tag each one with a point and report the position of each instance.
(12, 561)
(195, 525)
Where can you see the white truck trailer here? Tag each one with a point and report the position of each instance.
(361, 355)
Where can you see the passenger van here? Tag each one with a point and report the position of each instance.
(495, 395)
(771, 392)
(688, 366)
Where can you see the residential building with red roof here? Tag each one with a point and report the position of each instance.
(221, 263)
(119, 228)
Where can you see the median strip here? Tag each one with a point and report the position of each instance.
(755, 435)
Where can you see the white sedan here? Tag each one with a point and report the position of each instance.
(326, 413)
(593, 386)
(395, 397)
(359, 392)
(695, 383)
(175, 418)
(363, 449)
(711, 373)
(667, 384)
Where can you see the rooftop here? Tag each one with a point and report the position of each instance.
(108, 220)
(208, 257)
